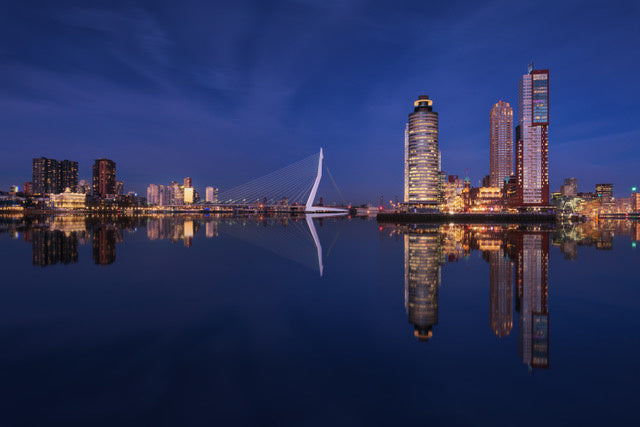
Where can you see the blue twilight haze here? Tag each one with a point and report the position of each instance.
(227, 91)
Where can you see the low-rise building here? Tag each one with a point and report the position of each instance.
(68, 200)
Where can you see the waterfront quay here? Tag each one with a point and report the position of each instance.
(465, 217)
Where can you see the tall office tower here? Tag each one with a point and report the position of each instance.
(104, 178)
(500, 143)
(422, 253)
(153, 194)
(211, 195)
(532, 140)
(532, 278)
(500, 282)
(421, 155)
(570, 187)
(187, 182)
(68, 176)
(635, 202)
(605, 193)
(45, 174)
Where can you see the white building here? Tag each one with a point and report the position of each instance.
(422, 155)
(69, 200)
(211, 195)
(153, 195)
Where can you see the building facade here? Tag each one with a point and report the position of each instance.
(68, 176)
(532, 140)
(104, 178)
(500, 144)
(570, 187)
(604, 192)
(45, 175)
(422, 155)
(211, 195)
(69, 200)
(153, 194)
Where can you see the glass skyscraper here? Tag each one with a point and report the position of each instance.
(421, 155)
(501, 143)
(532, 140)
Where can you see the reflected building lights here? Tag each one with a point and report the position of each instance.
(422, 252)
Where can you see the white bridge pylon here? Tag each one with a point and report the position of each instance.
(312, 196)
(294, 186)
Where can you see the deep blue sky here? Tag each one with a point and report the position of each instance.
(223, 91)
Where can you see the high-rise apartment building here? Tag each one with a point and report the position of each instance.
(422, 155)
(187, 182)
(68, 176)
(153, 194)
(211, 195)
(532, 140)
(104, 178)
(45, 175)
(53, 176)
(500, 144)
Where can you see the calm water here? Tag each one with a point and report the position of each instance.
(251, 321)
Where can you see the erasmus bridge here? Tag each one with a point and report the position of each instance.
(293, 186)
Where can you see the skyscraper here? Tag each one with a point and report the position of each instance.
(421, 155)
(68, 176)
(104, 178)
(500, 143)
(532, 140)
(45, 175)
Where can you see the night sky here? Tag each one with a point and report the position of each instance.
(224, 91)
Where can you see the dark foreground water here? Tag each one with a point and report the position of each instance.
(206, 321)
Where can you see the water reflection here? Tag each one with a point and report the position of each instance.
(518, 258)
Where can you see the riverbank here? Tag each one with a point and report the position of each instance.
(464, 217)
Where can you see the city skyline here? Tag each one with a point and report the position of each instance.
(129, 100)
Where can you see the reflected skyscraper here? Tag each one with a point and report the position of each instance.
(532, 276)
(422, 253)
(104, 245)
(500, 288)
(51, 247)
